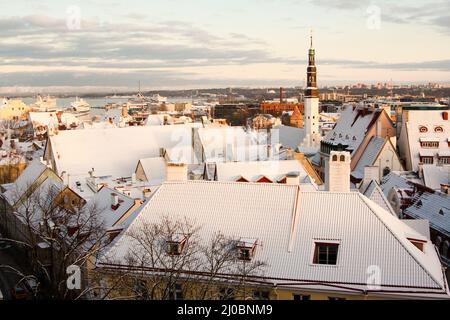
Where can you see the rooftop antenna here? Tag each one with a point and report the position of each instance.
(311, 37)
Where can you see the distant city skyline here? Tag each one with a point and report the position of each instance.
(179, 44)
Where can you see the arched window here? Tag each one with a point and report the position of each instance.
(342, 158)
(334, 158)
(386, 171)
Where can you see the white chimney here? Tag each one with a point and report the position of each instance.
(371, 173)
(176, 172)
(133, 177)
(337, 172)
(114, 199)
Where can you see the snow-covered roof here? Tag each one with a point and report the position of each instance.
(434, 207)
(434, 176)
(369, 156)
(252, 170)
(24, 181)
(374, 193)
(156, 119)
(222, 144)
(289, 137)
(114, 151)
(43, 118)
(102, 202)
(400, 180)
(154, 169)
(350, 129)
(287, 222)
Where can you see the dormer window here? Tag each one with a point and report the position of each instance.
(175, 245)
(441, 212)
(246, 248)
(326, 253)
(419, 244)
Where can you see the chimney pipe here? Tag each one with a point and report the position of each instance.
(281, 94)
(114, 200)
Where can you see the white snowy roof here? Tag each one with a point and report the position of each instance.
(154, 169)
(374, 193)
(351, 128)
(233, 144)
(43, 118)
(156, 119)
(102, 202)
(369, 156)
(289, 137)
(397, 180)
(287, 222)
(114, 151)
(24, 181)
(252, 170)
(434, 207)
(434, 176)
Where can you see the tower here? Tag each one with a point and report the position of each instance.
(311, 120)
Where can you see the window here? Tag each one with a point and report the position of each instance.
(325, 253)
(386, 171)
(141, 289)
(441, 212)
(227, 294)
(423, 129)
(417, 243)
(176, 292)
(426, 160)
(175, 246)
(334, 158)
(261, 295)
(246, 249)
(342, 158)
(301, 297)
(444, 160)
(429, 144)
(438, 129)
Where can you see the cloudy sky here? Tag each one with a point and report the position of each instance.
(212, 43)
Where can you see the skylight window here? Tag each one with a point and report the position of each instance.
(326, 253)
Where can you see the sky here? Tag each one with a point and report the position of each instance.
(174, 44)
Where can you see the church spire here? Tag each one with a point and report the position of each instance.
(311, 88)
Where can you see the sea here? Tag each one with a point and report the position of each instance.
(98, 104)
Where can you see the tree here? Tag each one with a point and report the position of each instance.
(169, 259)
(52, 228)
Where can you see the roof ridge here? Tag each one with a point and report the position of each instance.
(365, 199)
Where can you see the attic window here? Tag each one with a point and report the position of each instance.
(441, 212)
(175, 245)
(419, 204)
(438, 129)
(354, 138)
(419, 244)
(423, 129)
(325, 253)
(246, 248)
